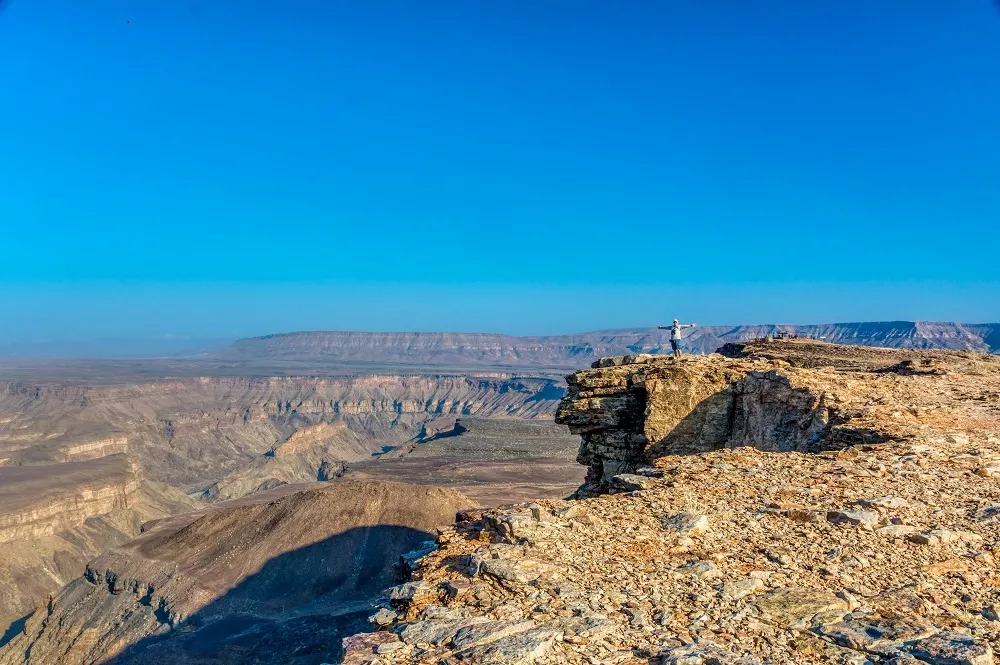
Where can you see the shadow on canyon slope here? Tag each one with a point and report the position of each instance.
(13, 629)
(295, 609)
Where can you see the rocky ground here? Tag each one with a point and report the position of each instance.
(823, 506)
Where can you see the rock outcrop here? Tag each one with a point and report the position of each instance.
(746, 543)
(39, 501)
(629, 409)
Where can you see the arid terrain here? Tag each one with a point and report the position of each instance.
(82, 467)
(129, 497)
(275, 578)
(324, 353)
(796, 503)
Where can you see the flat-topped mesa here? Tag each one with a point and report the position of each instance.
(629, 409)
(33, 507)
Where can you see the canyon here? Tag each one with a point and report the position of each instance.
(83, 467)
(276, 578)
(117, 478)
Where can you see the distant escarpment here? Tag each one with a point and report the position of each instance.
(579, 350)
(274, 579)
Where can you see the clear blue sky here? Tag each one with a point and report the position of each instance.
(230, 167)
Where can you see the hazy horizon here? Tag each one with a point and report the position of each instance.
(47, 313)
(190, 347)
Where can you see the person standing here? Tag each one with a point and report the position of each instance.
(675, 335)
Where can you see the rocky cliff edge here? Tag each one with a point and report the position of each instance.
(800, 504)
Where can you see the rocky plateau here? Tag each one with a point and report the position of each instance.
(784, 502)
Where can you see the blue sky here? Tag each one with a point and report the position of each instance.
(223, 167)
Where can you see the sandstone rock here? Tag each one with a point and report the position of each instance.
(878, 636)
(687, 524)
(741, 588)
(409, 558)
(950, 649)
(523, 648)
(389, 647)
(896, 530)
(800, 608)
(436, 632)
(359, 649)
(705, 654)
(586, 623)
(515, 570)
(637, 618)
(383, 617)
(649, 472)
(701, 569)
(440, 612)
(938, 537)
(482, 633)
(512, 525)
(629, 482)
(889, 502)
(456, 589)
(411, 592)
(862, 518)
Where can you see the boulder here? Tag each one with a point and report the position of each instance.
(800, 608)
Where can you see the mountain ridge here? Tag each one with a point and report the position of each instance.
(579, 349)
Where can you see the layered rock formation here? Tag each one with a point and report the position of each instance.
(491, 460)
(738, 545)
(578, 350)
(629, 408)
(39, 501)
(84, 466)
(190, 433)
(274, 578)
(309, 352)
(54, 518)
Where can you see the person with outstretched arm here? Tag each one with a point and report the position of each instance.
(675, 335)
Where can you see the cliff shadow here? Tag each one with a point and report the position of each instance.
(294, 610)
(13, 630)
(790, 421)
